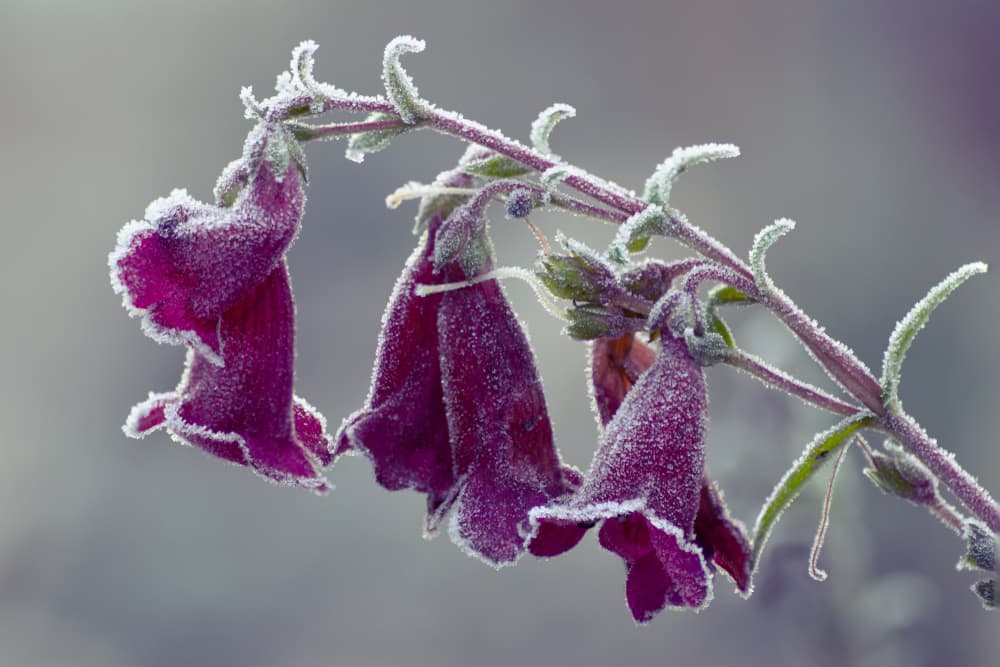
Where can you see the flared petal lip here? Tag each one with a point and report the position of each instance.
(166, 335)
(179, 430)
(593, 512)
(527, 533)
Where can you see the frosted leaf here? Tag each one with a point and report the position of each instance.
(556, 174)
(907, 328)
(788, 488)
(660, 183)
(252, 109)
(542, 126)
(363, 143)
(635, 233)
(399, 87)
(301, 70)
(493, 166)
(762, 242)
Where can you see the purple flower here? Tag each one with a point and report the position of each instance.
(647, 482)
(215, 278)
(456, 411)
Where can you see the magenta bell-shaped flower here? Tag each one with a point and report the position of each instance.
(456, 411)
(647, 482)
(214, 277)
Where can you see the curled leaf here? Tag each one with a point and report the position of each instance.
(399, 87)
(634, 234)
(541, 128)
(762, 242)
(908, 327)
(659, 184)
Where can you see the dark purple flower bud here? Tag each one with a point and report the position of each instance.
(215, 278)
(983, 549)
(520, 203)
(647, 480)
(457, 411)
(986, 591)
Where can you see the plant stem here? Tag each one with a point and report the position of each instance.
(838, 360)
(778, 379)
(942, 463)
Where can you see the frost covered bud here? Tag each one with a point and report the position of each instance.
(983, 547)
(520, 203)
(588, 322)
(707, 349)
(576, 277)
(898, 473)
(986, 590)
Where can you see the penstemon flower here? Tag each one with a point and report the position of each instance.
(456, 409)
(647, 483)
(214, 278)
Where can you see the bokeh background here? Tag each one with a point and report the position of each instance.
(875, 124)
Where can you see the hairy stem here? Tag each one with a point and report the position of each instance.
(942, 463)
(833, 356)
(778, 379)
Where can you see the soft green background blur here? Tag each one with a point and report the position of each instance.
(875, 124)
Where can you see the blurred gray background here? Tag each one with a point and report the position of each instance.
(874, 124)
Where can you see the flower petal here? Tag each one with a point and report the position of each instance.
(188, 262)
(245, 411)
(616, 364)
(402, 428)
(499, 427)
(722, 538)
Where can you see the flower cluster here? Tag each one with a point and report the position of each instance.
(456, 410)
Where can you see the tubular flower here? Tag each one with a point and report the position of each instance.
(456, 411)
(214, 277)
(647, 482)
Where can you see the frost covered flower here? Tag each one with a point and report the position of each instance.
(456, 411)
(214, 277)
(647, 482)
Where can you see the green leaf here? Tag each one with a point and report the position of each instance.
(762, 242)
(720, 327)
(907, 328)
(399, 87)
(361, 144)
(634, 234)
(496, 167)
(818, 451)
(660, 183)
(541, 128)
